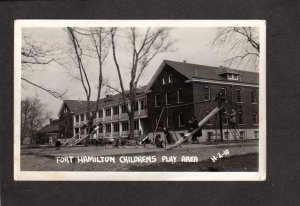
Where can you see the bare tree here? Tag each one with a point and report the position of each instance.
(100, 47)
(144, 48)
(33, 117)
(239, 44)
(25, 107)
(34, 56)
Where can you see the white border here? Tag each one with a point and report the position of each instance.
(140, 176)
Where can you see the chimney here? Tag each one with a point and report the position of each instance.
(184, 61)
(50, 120)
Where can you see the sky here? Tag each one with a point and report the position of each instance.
(192, 45)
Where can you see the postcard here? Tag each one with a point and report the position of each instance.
(140, 100)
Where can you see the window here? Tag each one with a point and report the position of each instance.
(82, 117)
(136, 106)
(169, 120)
(238, 95)
(124, 126)
(143, 104)
(77, 118)
(181, 120)
(239, 107)
(179, 95)
(224, 92)
(123, 108)
(108, 112)
(170, 78)
(168, 98)
(136, 125)
(165, 80)
(116, 127)
(206, 93)
(116, 110)
(209, 136)
(255, 118)
(157, 103)
(226, 135)
(256, 135)
(108, 128)
(232, 76)
(240, 115)
(242, 134)
(100, 113)
(253, 96)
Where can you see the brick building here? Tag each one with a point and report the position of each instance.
(49, 133)
(180, 87)
(111, 113)
(181, 90)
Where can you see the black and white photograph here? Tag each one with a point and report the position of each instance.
(142, 100)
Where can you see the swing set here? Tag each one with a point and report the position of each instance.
(211, 108)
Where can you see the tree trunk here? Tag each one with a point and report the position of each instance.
(32, 138)
(131, 124)
(89, 126)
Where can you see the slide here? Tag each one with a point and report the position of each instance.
(85, 136)
(71, 140)
(200, 124)
(143, 140)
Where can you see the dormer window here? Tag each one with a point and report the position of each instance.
(232, 76)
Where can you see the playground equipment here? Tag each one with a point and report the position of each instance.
(77, 138)
(143, 141)
(72, 140)
(221, 104)
(200, 124)
(211, 108)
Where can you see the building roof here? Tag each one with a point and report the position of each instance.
(75, 104)
(78, 105)
(205, 72)
(53, 127)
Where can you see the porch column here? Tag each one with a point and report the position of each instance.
(140, 127)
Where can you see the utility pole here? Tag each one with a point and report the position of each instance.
(221, 124)
(221, 101)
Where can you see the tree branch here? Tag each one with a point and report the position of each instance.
(53, 93)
